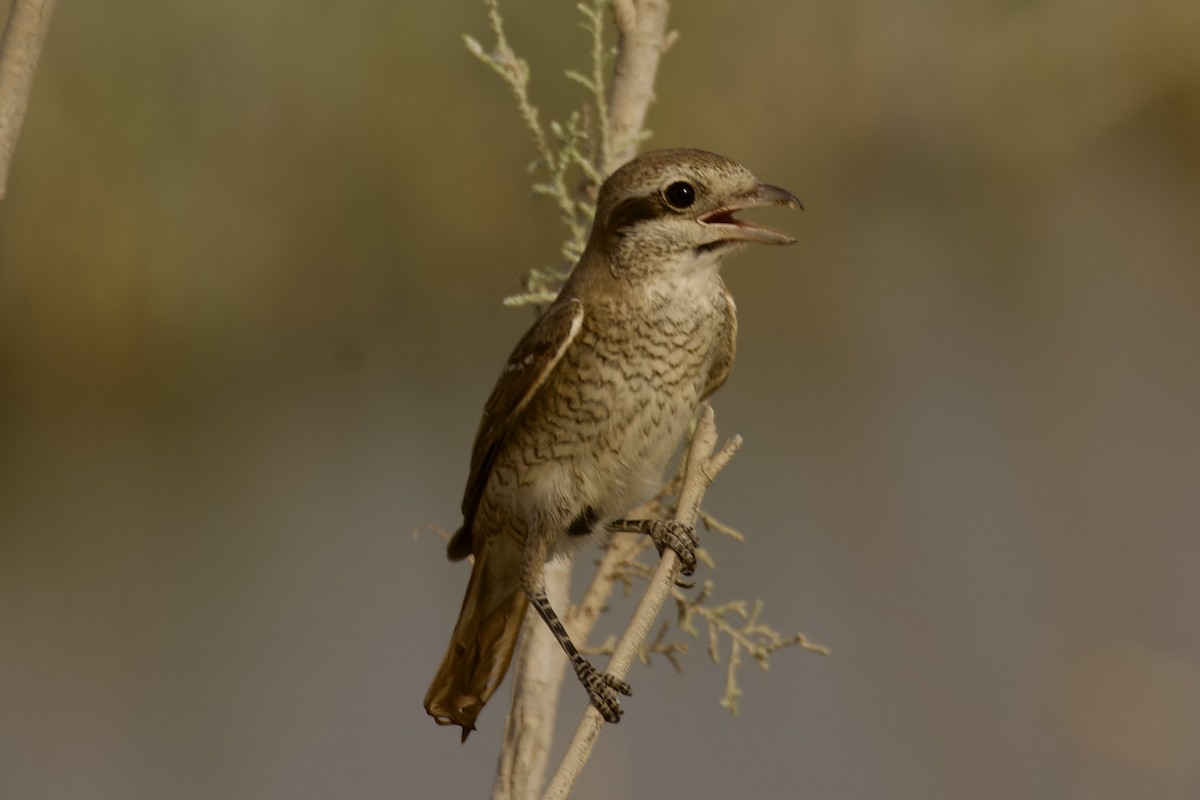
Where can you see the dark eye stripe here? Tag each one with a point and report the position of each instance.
(634, 210)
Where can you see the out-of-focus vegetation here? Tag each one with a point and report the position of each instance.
(251, 262)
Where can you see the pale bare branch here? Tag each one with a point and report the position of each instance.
(701, 468)
(641, 40)
(537, 680)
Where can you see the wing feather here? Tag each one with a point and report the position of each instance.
(531, 362)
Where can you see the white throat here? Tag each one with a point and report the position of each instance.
(690, 273)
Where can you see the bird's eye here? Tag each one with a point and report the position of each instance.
(680, 194)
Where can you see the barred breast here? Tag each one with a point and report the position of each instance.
(600, 434)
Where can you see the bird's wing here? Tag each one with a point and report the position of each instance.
(535, 357)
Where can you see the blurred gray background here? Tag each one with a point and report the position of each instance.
(250, 270)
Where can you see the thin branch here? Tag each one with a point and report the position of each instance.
(529, 728)
(641, 40)
(28, 23)
(752, 636)
(702, 467)
(623, 549)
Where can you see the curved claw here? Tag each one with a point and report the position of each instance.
(616, 683)
(602, 690)
(666, 533)
(680, 538)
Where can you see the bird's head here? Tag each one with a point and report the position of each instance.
(673, 210)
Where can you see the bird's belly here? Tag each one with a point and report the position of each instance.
(599, 453)
(598, 435)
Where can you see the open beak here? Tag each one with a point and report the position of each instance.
(736, 229)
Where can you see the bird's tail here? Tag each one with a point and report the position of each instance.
(483, 641)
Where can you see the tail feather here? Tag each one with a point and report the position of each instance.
(483, 642)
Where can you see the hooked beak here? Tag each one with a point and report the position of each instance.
(736, 229)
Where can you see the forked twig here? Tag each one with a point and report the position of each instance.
(702, 468)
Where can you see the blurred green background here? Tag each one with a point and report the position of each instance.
(250, 270)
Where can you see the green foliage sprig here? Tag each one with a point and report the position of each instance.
(577, 146)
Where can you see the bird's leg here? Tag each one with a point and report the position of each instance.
(601, 687)
(665, 533)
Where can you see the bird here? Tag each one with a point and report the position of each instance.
(592, 405)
